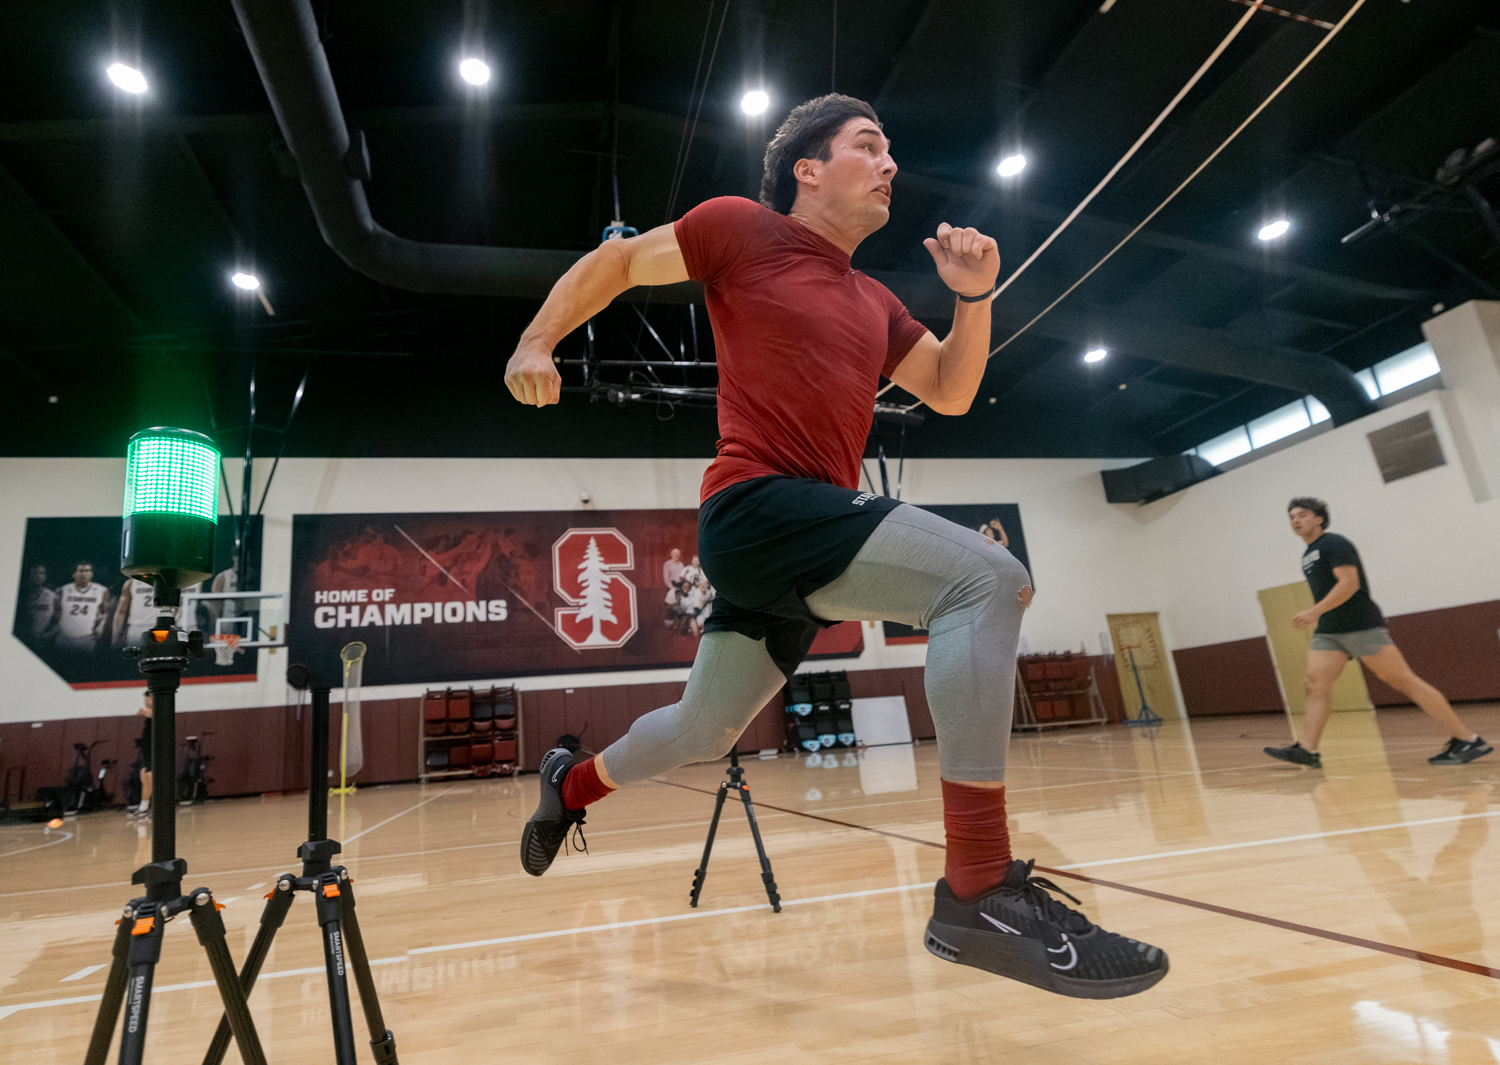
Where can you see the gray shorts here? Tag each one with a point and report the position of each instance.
(1354, 644)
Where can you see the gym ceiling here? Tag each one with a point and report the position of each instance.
(122, 216)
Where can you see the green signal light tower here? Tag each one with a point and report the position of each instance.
(171, 510)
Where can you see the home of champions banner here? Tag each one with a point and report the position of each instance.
(440, 598)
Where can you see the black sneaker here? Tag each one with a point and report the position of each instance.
(1020, 931)
(549, 826)
(1460, 751)
(1297, 753)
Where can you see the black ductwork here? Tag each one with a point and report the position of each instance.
(333, 164)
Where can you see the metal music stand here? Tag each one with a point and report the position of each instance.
(736, 782)
(333, 893)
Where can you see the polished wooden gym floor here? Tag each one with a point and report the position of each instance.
(1350, 915)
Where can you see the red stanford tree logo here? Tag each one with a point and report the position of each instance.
(587, 571)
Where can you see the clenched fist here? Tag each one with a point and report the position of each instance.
(967, 260)
(531, 377)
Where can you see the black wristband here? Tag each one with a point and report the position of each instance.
(974, 299)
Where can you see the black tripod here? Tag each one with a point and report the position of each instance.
(736, 782)
(163, 655)
(333, 893)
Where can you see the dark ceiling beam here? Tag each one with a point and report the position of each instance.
(1178, 345)
(22, 221)
(1111, 231)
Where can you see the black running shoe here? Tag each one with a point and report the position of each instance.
(1460, 751)
(1020, 931)
(549, 826)
(1297, 753)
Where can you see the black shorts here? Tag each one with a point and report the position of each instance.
(766, 544)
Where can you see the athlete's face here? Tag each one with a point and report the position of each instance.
(857, 176)
(39, 576)
(82, 575)
(1304, 522)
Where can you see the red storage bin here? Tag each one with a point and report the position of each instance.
(435, 714)
(458, 756)
(505, 750)
(481, 754)
(458, 712)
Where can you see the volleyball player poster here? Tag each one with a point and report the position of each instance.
(459, 597)
(1001, 522)
(76, 611)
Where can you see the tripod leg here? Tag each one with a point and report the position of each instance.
(114, 993)
(210, 928)
(708, 846)
(143, 954)
(271, 918)
(382, 1041)
(760, 849)
(326, 894)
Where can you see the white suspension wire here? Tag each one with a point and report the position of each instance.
(1330, 35)
(1155, 123)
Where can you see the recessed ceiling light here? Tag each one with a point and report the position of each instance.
(755, 102)
(1097, 355)
(1011, 165)
(1272, 230)
(248, 282)
(474, 71)
(126, 78)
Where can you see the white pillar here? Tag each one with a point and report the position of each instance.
(1467, 343)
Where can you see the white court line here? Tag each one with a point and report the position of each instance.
(403, 813)
(1279, 839)
(6, 1011)
(50, 843)
(257, 887)
(87, 970)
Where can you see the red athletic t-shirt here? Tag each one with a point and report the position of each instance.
(802, 338)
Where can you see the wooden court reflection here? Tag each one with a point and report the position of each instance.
(602, 960)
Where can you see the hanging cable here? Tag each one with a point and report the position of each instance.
(1156, 122)
(690, 122)
(1330, 35)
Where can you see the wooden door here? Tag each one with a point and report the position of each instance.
(1289, 650)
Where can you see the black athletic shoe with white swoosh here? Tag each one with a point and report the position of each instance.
(1020, 931)
(549, 826)
(1460, 752)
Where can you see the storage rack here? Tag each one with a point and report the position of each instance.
(1057, 689)
(468, 732)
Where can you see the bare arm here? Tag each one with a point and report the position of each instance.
(581, 293)
(946, 375)
(122, 613)
(1338, 595)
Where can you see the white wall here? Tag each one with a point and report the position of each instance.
(1197, 557)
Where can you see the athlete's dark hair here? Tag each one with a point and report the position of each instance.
(85, 562)
(1312, 503)
(807, 133)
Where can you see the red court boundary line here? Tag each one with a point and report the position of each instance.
(1225, 911)
(234, 678)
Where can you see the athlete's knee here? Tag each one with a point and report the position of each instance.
(992, 575)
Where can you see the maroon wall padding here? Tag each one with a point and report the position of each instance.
(1237, 677)
(1457, 650)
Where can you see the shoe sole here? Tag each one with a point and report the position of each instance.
(1025, 960)
(527, 836)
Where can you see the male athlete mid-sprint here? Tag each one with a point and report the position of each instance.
(790, 543)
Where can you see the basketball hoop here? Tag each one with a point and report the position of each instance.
(226, 646)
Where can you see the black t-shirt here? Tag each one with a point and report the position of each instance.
(1359, 612)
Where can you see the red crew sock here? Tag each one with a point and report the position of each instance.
(978, 838)
(582, 786)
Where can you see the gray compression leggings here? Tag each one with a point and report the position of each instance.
(916, 568)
